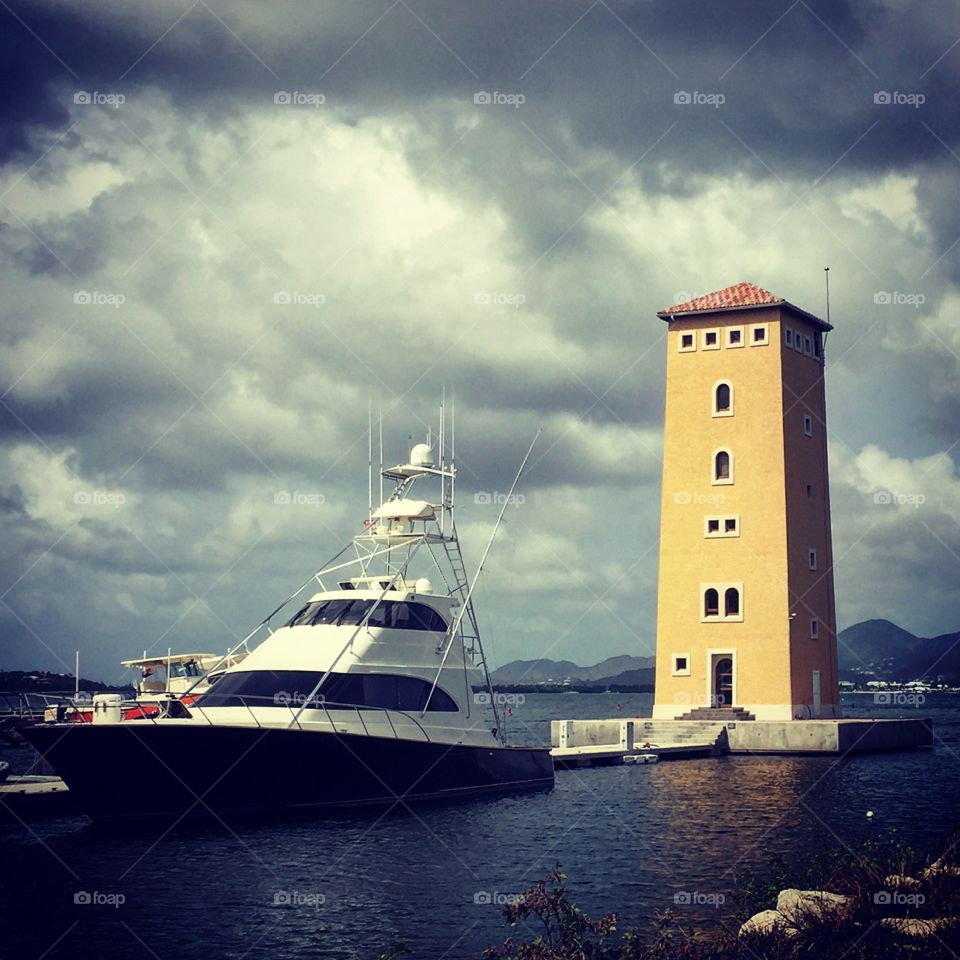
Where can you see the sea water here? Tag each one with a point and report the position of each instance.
(636, 840)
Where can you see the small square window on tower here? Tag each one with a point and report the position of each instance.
(788, 337)
(807, 425)
(812, 558)
(711, 339)
(681, 665)
(816, 345)
(734, 337)
(814, 628)
(721, 526)
(687, 342)
(809, 491)
(808, 345)
(759, 337)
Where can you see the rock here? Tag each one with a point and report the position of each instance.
(765, 923)
(900, 881)
(795, 905)
(913, 927)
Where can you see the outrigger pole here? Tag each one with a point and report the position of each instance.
(455, 626)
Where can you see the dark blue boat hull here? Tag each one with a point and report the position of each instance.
(139, 769)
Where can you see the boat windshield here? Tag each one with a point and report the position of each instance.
(185, 668)
(395, 614)
(291, 688)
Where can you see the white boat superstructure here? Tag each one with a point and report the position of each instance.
(377, 650)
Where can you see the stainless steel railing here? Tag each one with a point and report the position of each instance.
(162, 709)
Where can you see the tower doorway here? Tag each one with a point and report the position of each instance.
(722, 693)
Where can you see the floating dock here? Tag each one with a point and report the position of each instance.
(609, 742)
(614, 755)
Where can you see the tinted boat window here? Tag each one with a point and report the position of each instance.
(395, 614)
(303, 615)
(290, 688)
(330, 611)
(355, 613)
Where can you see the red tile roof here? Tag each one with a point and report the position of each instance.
(743, 294)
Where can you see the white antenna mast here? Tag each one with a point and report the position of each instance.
(380, 404)
(369, 456)
(453, 447)
(442, 459)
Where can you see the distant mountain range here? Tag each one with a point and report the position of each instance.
(620, 670)
(880, 650)
(871, 650)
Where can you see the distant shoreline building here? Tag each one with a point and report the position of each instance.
(746, 615)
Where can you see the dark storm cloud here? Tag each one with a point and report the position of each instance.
(799, 81)
(798, 78)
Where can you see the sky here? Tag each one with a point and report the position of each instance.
(224, 228)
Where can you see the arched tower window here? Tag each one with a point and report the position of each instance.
(722, 465)
(711, 603)
(731, 602)
(723, 398)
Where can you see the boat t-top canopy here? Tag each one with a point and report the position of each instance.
(163, 661)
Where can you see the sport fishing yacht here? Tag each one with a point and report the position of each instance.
(367, 686)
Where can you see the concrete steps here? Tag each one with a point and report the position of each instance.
(726, 714)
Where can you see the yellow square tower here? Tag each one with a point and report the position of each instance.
(746, 621)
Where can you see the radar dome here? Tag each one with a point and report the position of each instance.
(421, 455)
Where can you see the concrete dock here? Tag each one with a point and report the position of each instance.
(23, 799)
(606, 742)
